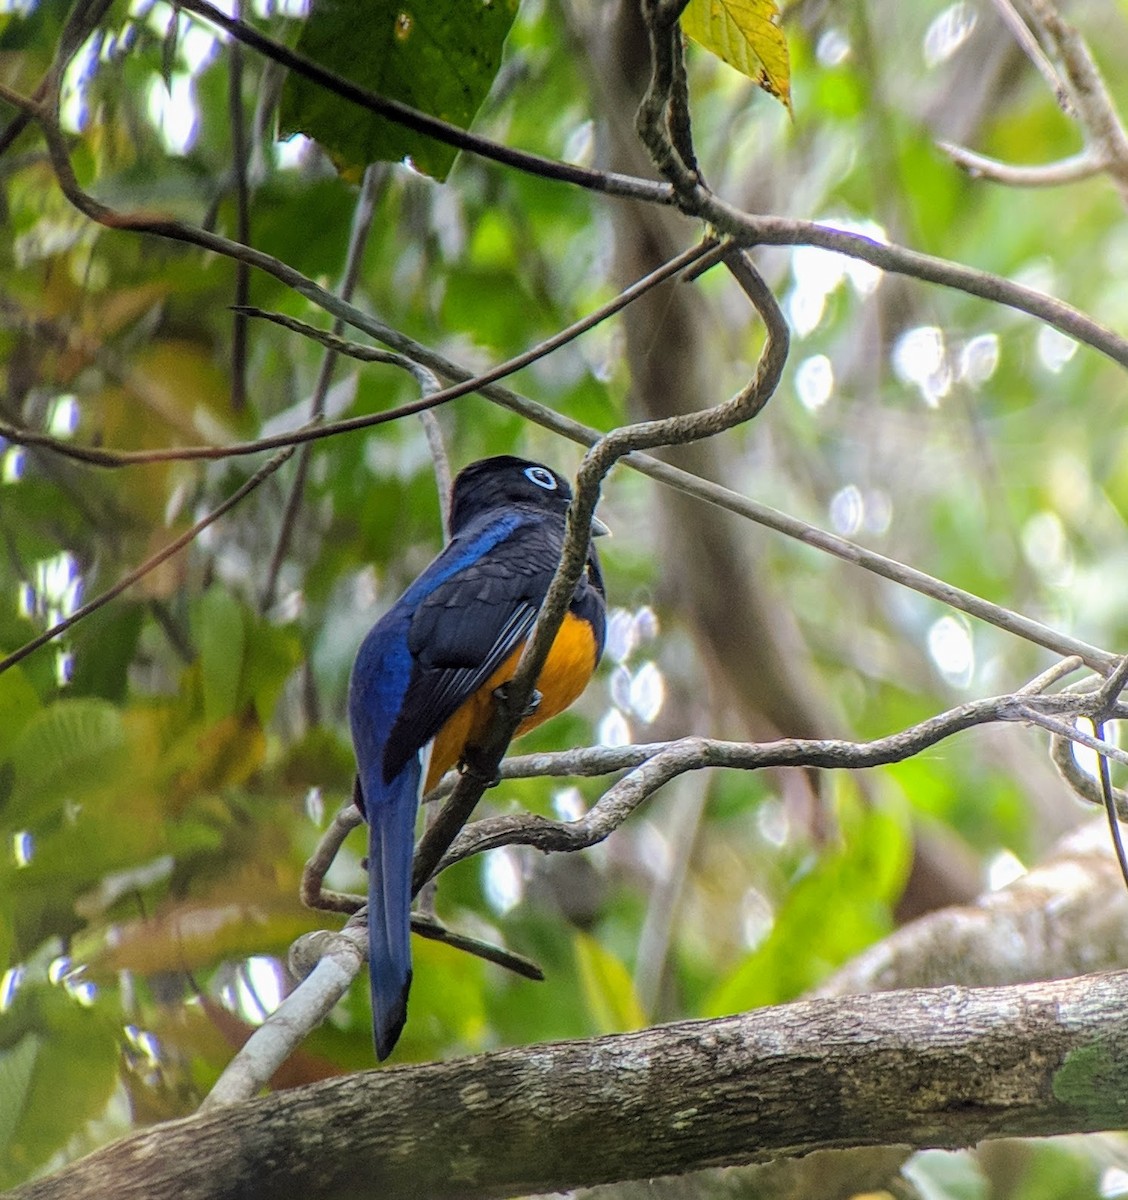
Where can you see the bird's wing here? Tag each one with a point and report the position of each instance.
(466, 625)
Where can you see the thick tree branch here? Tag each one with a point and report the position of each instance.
(650, 768)
(942, 1067)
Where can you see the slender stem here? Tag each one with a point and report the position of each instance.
(150, 564)
(358, 238)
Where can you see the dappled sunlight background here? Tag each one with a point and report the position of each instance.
(167, 766)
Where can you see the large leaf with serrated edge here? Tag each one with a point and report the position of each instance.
(440, 57)
(747, 35)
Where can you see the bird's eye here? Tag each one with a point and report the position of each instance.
(542, 477)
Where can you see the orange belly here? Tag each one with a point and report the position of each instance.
(565, 674)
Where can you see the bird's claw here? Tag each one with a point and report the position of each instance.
(502, 693)
(489, 778)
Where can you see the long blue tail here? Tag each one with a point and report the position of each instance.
(391, 838)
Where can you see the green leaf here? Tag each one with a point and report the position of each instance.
(73, 1076)
(271, 656)
(608, 990)
(104, 645)
(834, 909)
(19, 702)
(16, 1066)
(1051, 1169)
(747, 35)
(64, 750)
(440, 57)
(219, 630)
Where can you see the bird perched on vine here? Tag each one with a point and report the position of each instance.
(424, 679)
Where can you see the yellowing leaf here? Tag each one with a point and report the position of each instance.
(188, 935)
(747, 35)
(609, 993)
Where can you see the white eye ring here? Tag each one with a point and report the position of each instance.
(542, 477)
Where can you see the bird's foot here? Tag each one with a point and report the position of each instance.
(502, 693)
(469, 767)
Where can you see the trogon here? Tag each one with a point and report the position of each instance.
(424, 679)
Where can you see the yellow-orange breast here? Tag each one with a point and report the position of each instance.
(564, 676)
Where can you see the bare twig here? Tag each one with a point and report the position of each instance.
(1059, 727)
(1080, 781)
(312, 892)
(650, 767)
(608, 182)
(239, 153)
(335, 344)
(1077, 167)
(1092, 101)
(1081, 92)
(1110, 690)
(1011, 18)
(1109, 801)
(358, 239)
(596, 463)
(333, 961)
(427, 926)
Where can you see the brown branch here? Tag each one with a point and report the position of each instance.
(1074, 169)
(239, 156)
(598, 461)
(650, 767)
(1093, 105)
(893, 258)
(932, 1067)
(311, 891)
(1082, 93)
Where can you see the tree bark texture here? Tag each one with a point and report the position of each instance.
(932, 1067)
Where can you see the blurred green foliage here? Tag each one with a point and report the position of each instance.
(167, 766)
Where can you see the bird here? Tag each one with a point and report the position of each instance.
(423, 682)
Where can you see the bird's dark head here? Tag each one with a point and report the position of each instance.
(505, 480)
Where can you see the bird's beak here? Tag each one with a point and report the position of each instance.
(598, 529)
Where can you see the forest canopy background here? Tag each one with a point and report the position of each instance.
(168, 764)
